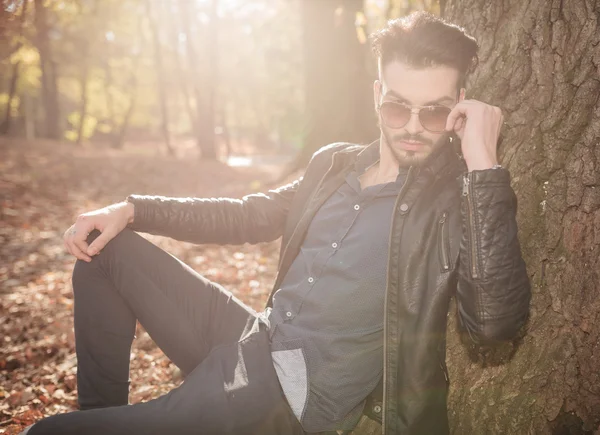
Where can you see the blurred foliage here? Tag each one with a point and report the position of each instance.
(102, 57)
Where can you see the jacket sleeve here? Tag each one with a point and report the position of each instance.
(254, 218)
(493, 289)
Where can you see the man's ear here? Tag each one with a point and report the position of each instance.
(461, 94)
(376, 94)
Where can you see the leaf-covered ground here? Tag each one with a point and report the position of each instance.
(43, 187)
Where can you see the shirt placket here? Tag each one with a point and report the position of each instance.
(358, 202)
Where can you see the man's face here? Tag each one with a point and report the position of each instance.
(431, 86)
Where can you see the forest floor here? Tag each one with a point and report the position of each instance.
(43, 187)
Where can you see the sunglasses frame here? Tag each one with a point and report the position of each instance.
(413, 109)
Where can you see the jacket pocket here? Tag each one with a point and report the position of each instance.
(444, 243)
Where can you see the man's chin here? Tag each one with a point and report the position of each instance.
(408, 158)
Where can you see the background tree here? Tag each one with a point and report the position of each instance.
(14, 75)
(338, 96)
(111, 81)
(49, 68)
(160, 75)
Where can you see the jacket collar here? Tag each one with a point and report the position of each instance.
(439, 162)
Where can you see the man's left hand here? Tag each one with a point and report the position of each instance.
(478, 126)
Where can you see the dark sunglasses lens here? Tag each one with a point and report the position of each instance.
(394, 115)
(434, 118)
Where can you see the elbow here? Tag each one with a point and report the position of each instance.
(486, 329)
(495, 332)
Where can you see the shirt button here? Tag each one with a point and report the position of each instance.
(404, 207)
(289, 314)
(334, 245)
(311, 279)
(377, 409)
(356, 207)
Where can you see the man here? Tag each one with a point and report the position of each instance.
(376, 240)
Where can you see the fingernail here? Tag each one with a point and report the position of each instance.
(91, 252)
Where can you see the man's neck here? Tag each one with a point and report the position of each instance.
(388, 164)
(384, 171)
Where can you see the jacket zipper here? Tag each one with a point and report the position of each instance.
(385, 303)
(468, 194)
(443, 245)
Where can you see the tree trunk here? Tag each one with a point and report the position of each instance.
(49, 73)
(174, 30)
(12, 90)
(209, 143)
(160, 78)
(338, 88)
(14, 79)
(339, 96)
(120, 129)
(120, 132)
(205, 116)
(539, 62)
(108, 84)
(83, 85)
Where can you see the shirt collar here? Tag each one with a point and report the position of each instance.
(369, 157)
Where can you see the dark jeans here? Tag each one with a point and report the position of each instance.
(230, 386)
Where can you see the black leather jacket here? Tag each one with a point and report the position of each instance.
(453, 234)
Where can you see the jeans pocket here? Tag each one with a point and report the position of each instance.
(289, 360)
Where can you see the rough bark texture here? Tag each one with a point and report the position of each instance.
(539, 62)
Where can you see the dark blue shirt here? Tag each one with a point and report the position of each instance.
(326, 323)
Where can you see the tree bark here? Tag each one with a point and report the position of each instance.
(50, 102)
(539, 62)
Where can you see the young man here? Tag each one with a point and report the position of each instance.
(376, 240)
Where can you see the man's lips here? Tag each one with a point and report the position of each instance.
(411, 145)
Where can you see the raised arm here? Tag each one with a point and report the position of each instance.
(493, 292)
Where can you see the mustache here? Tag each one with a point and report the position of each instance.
(408, 137)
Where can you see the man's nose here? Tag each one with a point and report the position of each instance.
(413, 126)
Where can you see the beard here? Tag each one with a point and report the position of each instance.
(406, 158)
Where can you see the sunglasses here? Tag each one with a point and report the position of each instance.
(397, 115)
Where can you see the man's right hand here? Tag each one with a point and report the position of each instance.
(110, 221)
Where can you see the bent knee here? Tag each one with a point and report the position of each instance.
(117, 248)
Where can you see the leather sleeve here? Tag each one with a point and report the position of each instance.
(254, 218)
(493, 290)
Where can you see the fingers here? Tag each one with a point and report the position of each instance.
(100, 242)
(72, 247)
(473, 109)
(460, 122)
(459, 112)
(75, 238)
(80, 245)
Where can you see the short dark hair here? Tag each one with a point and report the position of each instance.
(422, 40)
